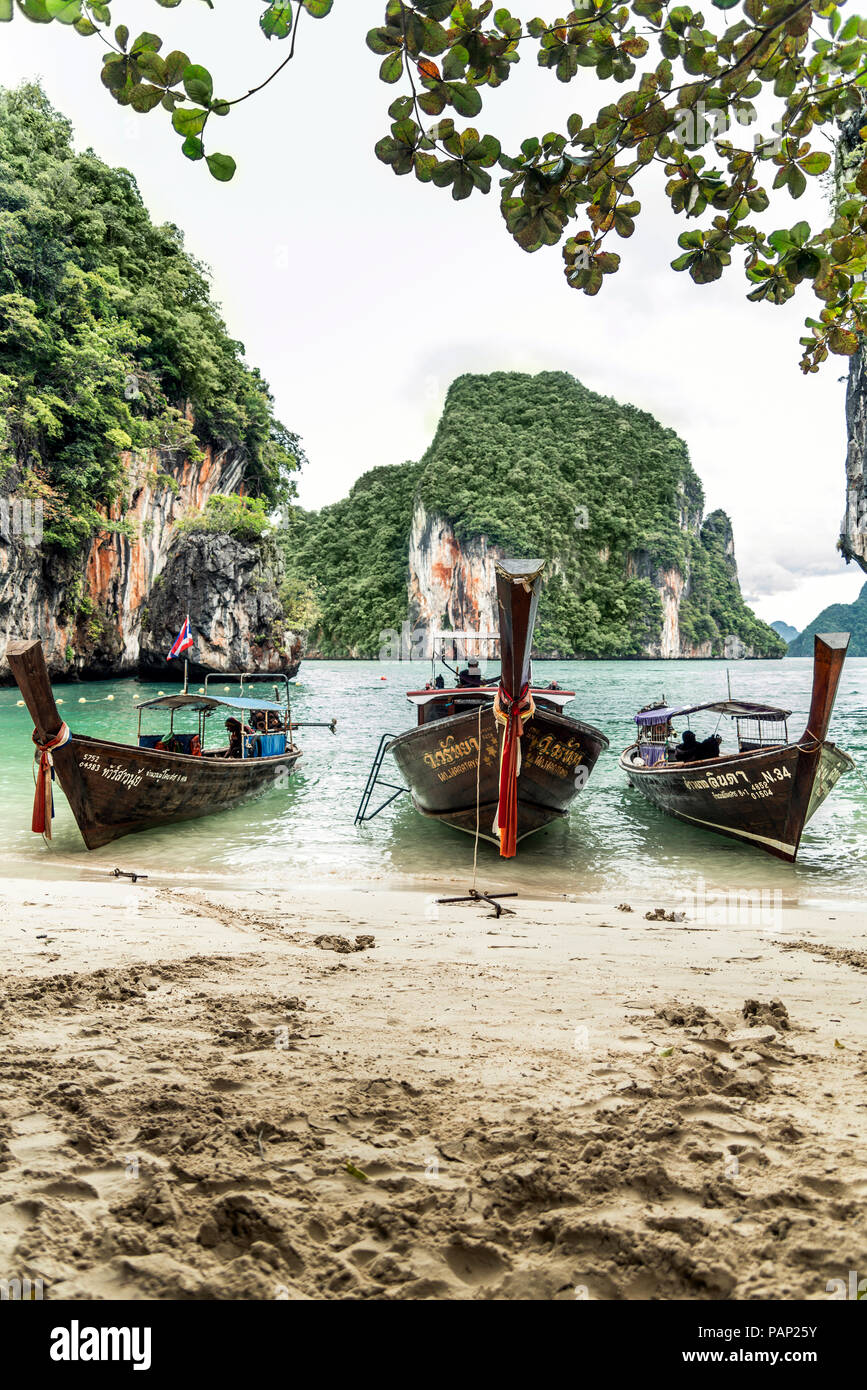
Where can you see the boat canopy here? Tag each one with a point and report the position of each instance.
(209, 702)
(736, 709)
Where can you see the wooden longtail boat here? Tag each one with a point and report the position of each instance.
(115, 789)
(766, 791)
(499, 760)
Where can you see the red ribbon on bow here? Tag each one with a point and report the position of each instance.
(513, 714)
(43, 801)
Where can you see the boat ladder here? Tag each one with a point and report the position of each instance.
(374, 780)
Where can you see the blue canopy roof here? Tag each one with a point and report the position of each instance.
(242, 702)
(736, 709)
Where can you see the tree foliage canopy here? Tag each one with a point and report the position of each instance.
(109, 338)
(688, 87)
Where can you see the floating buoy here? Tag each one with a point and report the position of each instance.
(82, 699)
(134, 698)
(19, 703)
(161, 692)
(383, 678)
(226, 689)
(59, 702)
(109, 697)
(201, 690)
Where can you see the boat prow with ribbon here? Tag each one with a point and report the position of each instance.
(498, 760)
(168, 775)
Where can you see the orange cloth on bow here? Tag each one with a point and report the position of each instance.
(513, 715)
(43, 802)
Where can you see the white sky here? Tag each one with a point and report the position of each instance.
(361, 296)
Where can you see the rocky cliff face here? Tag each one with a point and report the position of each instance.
(451, 586)
(670, 585)
(232, 588)
(88, 610)
(853, 536)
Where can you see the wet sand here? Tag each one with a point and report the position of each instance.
(197, 1100)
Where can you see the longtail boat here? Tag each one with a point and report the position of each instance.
(499, 760)
(765, 790)
(115, 789)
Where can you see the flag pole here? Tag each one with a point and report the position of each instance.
(186, 670)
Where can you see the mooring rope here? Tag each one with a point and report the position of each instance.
(478, 786)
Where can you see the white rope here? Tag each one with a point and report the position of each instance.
(478, 774)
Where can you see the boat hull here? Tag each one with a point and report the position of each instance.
(115, 789)
(763, 798)
(441, 763)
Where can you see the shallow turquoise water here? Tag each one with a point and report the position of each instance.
(612, 839)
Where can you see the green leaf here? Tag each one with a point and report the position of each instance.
(816, 162)
(276, 22)
(391, 69)
(152, 66)
(465, 100)
(198, 84)
(146, 42)
(455, 63)
(222, 166)
(176, 65)
(145, 98)
(5, 11)
(193, 147)
(318, 8)
(189, 120)
(797, 182)
(66, 11)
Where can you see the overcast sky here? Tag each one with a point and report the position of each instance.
(361, 296)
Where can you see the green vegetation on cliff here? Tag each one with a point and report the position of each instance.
(350, 562)
(245, 518)
(109, 338)
(839, 617)
(540, 466)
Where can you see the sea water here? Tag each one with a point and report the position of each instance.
(613, 840)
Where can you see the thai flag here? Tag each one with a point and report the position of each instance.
(183, 641)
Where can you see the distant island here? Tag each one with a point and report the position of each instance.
(541, 466)
(839, 617)
(785, 630)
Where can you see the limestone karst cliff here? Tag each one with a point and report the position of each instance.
(231, 586)
(533, 466)
(853, 532)
(125, 405)
(86, 606)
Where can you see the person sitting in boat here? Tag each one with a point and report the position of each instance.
(693, 750)
(236, 730)
(470, 675)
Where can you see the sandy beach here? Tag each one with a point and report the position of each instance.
(209, 1093)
